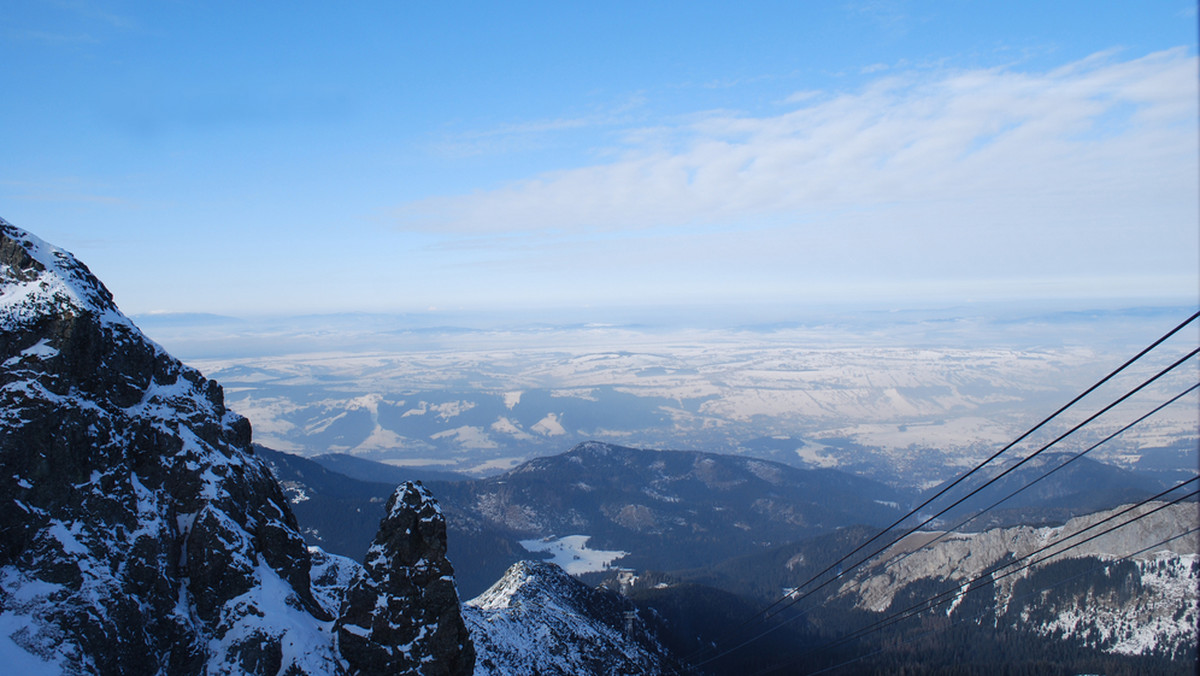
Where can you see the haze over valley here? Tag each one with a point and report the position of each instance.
(906, 397)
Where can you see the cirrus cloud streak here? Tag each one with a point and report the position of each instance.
(1096, 135)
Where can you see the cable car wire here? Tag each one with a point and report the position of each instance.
(790, 598)
(990, 577)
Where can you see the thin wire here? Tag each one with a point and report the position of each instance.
(790, 598)
(972, 585)
(1019, 490)
(769, 630)
(956, 527)
(979, 466)
(1033, 592)
(993, 480)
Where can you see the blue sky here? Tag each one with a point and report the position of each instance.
(249, 158)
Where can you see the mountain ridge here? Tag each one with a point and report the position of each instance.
(493, 521)
(656, 508)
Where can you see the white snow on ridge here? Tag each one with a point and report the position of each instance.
(62, 284)
(444, 411)
(271, 609)
(572, 554)
(536, 620)
(491, 466)
(1160, 618)
(42, 350)
(380, 439)
(926, 411)
(549, 426)
(931, 434)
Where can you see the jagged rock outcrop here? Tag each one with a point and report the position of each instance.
(401, 613)
(537, 619)
(139, 532)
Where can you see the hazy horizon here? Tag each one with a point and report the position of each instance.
(866, 392)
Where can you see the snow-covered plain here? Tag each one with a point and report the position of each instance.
(920, 396)
(572, 554)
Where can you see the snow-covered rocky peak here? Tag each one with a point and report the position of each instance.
(533, 582)
(141, 534)
(539, 619)
(39, 280)
(139, 531)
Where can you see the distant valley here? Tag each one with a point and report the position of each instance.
(908, 403)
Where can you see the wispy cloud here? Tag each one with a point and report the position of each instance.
(92, 11)
(1076, 182)
(1089, 135)
(516, 136)
(52, 38)
(889, 15)
(63, 190)
(69, 197)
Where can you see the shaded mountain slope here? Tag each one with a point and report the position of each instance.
(664, 510)
(1090, 610)
(667, 509)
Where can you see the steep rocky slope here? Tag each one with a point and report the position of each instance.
(1122, 593)
(140, 533)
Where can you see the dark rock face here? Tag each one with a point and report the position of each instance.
(139, 529)
(139, 532)
(401, 613)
